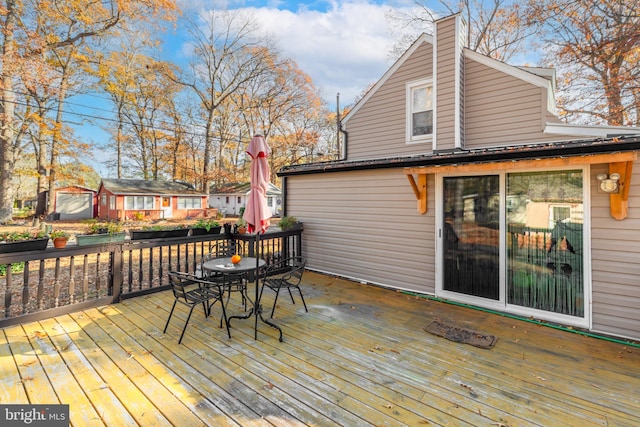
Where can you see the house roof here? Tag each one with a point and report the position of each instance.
(423, 38)
(541, 77)
(570, 148)
(141, 186)
(76, 187)
(242, 188)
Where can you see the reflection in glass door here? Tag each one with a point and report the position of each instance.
(545, 241)
(472, 235)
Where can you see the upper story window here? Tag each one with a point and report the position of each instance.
(419, 110)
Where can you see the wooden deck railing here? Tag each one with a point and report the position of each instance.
(47, 283)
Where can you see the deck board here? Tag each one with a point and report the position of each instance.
(359, 357)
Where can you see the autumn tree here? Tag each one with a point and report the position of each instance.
(227, 52)
(115, 72)
(595, 44)
(32, 29)
(147, 120)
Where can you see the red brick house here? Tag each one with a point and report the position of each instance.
(127, 199)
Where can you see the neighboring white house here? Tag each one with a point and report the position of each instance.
(229, 199)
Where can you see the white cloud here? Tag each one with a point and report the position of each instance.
(344, 49)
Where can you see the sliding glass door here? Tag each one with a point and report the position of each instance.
(471, 235)
(531, 226)
(545, 213)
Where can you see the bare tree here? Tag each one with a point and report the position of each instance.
(595, 44)
(496, 28)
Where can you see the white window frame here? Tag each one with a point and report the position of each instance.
(501, 304)
(193, 202)
(139, 202)
(410, 88)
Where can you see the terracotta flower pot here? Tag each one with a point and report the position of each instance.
(60, 242)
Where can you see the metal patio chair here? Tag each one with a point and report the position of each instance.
(285, 274)
(191, 292)
(232, 282)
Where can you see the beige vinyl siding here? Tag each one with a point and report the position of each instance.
(615, 257)
(378, 130)
(445, 85)
(492, 118)
(364, 225)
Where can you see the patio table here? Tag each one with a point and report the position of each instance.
(225, 267)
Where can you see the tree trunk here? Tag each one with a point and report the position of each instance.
(7, 149)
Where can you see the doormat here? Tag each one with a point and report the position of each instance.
(465, 336)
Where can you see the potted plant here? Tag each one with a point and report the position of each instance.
(241, 226)
(59, 238)
(159, 232)
(205, 226)
(288, 222)
(101, 232)
(20, 241)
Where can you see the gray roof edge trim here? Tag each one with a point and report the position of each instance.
(576, 148)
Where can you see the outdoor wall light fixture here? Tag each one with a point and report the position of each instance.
(608, 183)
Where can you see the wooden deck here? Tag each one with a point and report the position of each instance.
(359, 357)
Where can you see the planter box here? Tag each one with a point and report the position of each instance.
(160, 234)
(24, 245)
(201, 231)
(95, 239)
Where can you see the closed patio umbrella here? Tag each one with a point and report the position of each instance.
(257, 212)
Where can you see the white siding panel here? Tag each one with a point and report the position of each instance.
(378, 128)
(615, 261)
(365, 226)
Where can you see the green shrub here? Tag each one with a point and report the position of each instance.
(207, 224)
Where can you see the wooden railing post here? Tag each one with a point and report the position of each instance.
(116, 272)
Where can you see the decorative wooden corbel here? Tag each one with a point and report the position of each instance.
(619, 202)
(420, 190)
(620, 163)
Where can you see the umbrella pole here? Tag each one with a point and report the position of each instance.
(258, 304)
